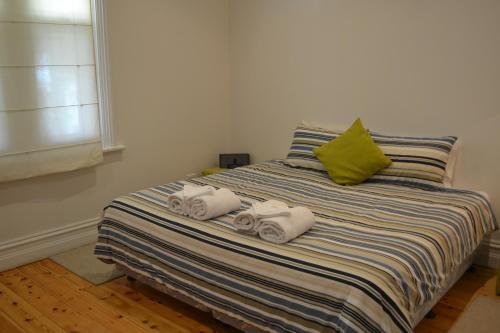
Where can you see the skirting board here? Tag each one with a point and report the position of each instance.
(489, 254)
(23, 250)
(44, 244)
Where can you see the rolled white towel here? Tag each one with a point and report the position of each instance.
(246, 221)
(281, 229)
(179, 202)
(193, 192)
(220, 202)
(249, 220)
(175, 202)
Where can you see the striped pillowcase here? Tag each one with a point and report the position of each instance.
(422, 158)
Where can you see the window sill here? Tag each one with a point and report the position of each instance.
(112, 149)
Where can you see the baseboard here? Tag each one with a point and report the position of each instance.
(489, 254)
(23, 250)
(44, 244)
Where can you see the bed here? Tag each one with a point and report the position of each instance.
(380, 255)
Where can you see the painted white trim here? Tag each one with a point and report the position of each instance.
(114, 148)
(489, 253)
(102, 72)
(44, 244)
(40, 245)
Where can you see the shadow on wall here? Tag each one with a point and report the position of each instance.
(54, 187)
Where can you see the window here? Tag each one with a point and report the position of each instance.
(102, 72)
(55, 113)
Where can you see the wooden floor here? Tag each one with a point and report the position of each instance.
(45, 297)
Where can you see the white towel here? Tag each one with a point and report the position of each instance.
(175, 202)
(246, 221)
(249, 220)
(270, 208)
(281, 229)
(180, 201)
(217, 203)
(193, 192)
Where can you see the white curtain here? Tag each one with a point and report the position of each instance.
(49, 115)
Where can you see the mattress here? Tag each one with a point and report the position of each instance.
(377, 253)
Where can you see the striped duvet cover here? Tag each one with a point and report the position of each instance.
(377, 251)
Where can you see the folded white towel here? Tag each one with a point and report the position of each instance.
(193, 192)
(270, 208)
(175, 202)
(249, 220)
(180, 201)
(246, 221)
(281, 229)
(217, 203)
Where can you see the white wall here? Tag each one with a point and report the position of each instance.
(190, 70)
(169, 72)
(405, 66)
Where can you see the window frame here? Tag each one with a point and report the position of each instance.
(102, 69)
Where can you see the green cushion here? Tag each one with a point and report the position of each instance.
(352, 157)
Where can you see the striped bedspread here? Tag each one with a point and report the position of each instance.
(376, 252)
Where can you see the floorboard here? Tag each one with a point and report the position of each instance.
(45, 297)
(481, 281)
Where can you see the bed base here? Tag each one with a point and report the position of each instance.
(421, 312)
(430, 315)
(239, 324)
(425, 310)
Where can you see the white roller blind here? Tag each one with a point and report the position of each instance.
(49, 114)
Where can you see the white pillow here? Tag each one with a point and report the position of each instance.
(449, 174)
